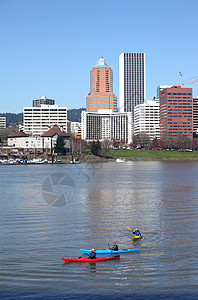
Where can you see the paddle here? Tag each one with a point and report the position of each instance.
(81, 256)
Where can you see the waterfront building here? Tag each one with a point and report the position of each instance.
(44, 143)
(101, 94)
(176, 112)
(195, 117)
(2, 122)
(106, 125)
(50, 138)
(37, 120)
(132, 80)
(146, 119)
(43, 100)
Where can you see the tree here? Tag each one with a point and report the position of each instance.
(106, 145)
(93, 148)
(195, 144)
(60, 145)
(155, 143)
(84, 145)
(133, 144)
(183, 142)
(96, 148)
(143, 139)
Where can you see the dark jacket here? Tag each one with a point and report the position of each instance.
(92, 255)
(114, 247)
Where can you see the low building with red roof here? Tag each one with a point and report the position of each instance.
(50, 137)
(44, 143)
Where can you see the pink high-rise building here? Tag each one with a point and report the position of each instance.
(101, 94)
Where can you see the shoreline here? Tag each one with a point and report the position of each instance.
(106, 160)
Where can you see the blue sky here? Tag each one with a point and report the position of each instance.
(48, 47)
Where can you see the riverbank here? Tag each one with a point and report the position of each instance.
(138, 155)
(126, 155)
(154, 155)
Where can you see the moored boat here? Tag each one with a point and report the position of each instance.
(108, 251)
(120, 160)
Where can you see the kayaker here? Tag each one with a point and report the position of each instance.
(92, 255)
(137, 232)
(114, 247)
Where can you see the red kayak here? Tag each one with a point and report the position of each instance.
(85, 259)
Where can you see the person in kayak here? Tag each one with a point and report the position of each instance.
(137, 232)
(114, 247)
(92, 255)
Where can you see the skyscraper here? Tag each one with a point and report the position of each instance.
(101, 94)
(132, 80)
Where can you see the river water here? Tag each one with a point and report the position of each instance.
(51, 211)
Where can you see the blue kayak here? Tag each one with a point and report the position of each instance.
(104, 251)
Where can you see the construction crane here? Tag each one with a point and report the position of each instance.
(189, 82)
(183, 83)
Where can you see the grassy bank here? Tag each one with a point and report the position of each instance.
(135, 155)
(160, 154)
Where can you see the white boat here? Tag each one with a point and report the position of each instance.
(57, 161)
(120, 160)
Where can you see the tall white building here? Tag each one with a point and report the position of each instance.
(75, 128)
(37, 120)
(132, 80)
(146, 119)
(108, 125)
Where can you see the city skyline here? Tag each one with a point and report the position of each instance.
(44, 43)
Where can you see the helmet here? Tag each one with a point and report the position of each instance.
(136, 229)
(114, 243)
(93, 250)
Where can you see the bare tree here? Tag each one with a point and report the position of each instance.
(155, 143)
(183, 142)
(195, 144)
(144, 139)
(106, 145)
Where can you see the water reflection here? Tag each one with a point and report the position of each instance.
(160, 198)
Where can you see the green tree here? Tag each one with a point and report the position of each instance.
(60, 145)
(96, 148)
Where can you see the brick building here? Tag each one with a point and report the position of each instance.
(176, 112)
